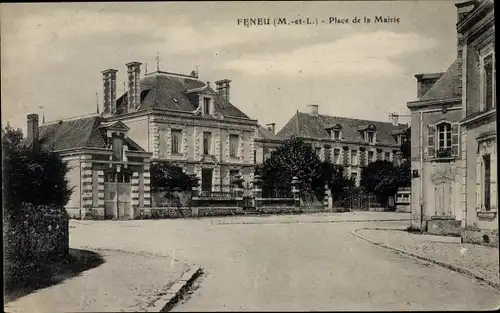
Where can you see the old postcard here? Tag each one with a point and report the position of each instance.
(249, 156)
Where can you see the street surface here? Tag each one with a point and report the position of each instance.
(288, 263)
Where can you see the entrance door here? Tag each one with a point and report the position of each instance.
(206, 180)
(443, 198)
(117, 195)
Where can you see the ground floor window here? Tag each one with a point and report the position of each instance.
(487, 181)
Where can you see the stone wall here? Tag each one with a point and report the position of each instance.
(480, 236)
(33, 236)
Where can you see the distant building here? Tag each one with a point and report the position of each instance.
(476, 35)
(265, 142)
(352, 143)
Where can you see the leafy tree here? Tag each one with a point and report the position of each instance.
(293, 158)
(404, 174)
(381, 178)
(32, 174)
(406, 145)
(335, 177)
(169, 177)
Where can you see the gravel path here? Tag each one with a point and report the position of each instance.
(481, 259)
(126, 282)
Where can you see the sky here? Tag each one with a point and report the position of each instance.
(52, 54)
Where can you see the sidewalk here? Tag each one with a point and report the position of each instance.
(481, 260)
(124, 282)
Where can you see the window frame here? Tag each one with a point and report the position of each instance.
(236, 147)
(485, 52)
(179, 143)
(447, 134)
(207, 105)
(208, 145)
(354, 153)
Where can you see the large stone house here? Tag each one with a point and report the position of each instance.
(476, 35)
(162, 117)
(352, 143)
(435, 153)
(182, 120)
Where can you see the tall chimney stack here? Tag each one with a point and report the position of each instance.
(134, 87)
(271, 127)
(109, 92)
(425, 82)
(223, 88)
(313, 109)
(33, 134)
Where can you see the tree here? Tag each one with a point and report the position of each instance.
(335, 177)
(32, 174)
(406, 145)
(381, 178)
(169, 177)
(293, 158)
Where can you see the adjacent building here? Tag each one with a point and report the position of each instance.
(108, 171)
(265, 142)
(435, 150)
(352, 143)
(453, 136)
(476, 36)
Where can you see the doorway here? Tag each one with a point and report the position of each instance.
(206, 180)
(117, 197)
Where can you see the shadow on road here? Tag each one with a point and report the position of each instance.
(76, 262)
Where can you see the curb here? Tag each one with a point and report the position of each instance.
(310, 222)
(453, 267)
(176, 292)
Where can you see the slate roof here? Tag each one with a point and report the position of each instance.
(265, 134)
(446, 87)
(174, 92)
(76, 133)
(306, 125)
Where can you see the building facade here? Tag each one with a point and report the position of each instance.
(352, 143)
(476, 35)
(435, 151)
(109, 172)
(183, 121)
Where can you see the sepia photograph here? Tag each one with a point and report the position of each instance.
(249, 156)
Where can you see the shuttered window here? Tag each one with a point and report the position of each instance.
(431, 149)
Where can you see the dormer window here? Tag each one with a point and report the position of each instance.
(370, 136)
(335, 134)
(207, 106)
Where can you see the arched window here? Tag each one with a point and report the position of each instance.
(444, 136)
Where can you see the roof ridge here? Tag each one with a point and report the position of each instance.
(73, 118)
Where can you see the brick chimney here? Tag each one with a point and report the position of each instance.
(109, 92)
(223, 88)
(313, 109)
(395, 119)
(271, 127)
(425, 82)
(32, 134)
(134, 87)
